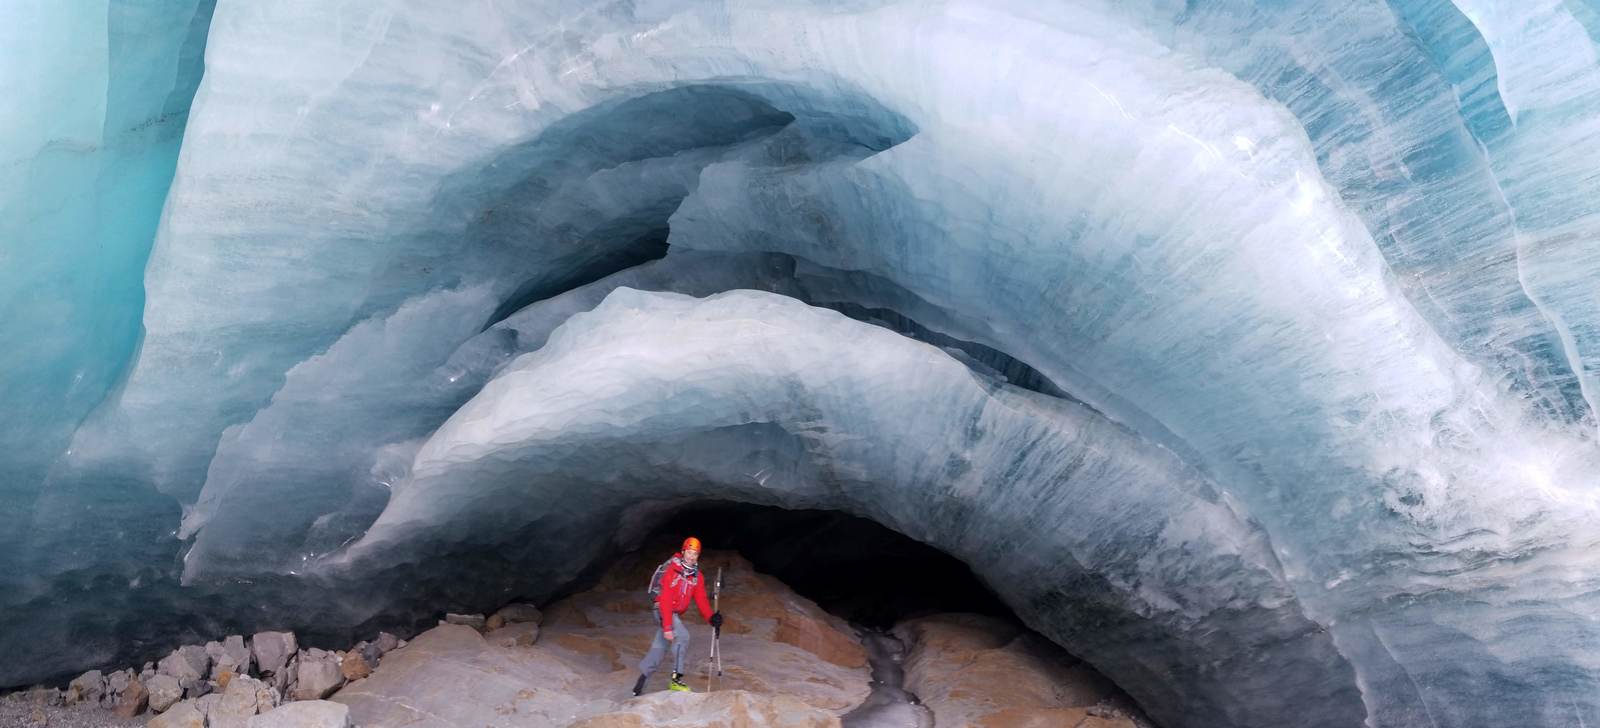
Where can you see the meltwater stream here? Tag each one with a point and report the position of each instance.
(889, 705)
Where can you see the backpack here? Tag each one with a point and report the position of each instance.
(654, 591)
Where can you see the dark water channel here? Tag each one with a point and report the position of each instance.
(889, 705)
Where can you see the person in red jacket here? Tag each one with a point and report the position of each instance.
(681, 583)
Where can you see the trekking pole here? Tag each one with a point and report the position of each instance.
(716, 637)
(716, 633)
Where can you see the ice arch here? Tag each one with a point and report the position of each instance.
(1108, 544)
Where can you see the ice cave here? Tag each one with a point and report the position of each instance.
(1247, 351)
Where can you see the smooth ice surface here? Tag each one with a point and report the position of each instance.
(1249, 349)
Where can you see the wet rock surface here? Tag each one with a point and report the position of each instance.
(580, 662)
(987, 672)
(786, 662)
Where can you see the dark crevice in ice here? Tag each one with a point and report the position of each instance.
(850, 566)
(987, 361)
(651, 245)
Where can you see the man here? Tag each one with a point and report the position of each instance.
(680, 583)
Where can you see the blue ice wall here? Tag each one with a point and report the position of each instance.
(98, 94)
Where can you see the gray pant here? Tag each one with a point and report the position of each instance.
(658, 649)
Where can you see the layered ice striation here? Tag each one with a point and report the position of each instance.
(1247, 350)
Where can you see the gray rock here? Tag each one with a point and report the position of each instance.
(368, 651)
(165, 690)
(207, 703)
(475, 621)
(229, 655)
(283, 680)
(522, 634)
(197, 688)
(272, 650)
(41, 695)
(244, 698)
(187, 663)
(116, 683)
(182, 715)
(386, 642)
(174, 666)
(517, 613)
(308, 714)
(133, 700)
(148, 672)
(86, 688)
(317, 676)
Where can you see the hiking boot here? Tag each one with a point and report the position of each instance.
(678, 683)
(638, 687)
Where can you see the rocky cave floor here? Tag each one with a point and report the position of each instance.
(786, 662)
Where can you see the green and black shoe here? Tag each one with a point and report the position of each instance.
(678, 684)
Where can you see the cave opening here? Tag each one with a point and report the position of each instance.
(923, 617)
(851, 566)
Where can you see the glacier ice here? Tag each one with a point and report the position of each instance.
(1247, 349)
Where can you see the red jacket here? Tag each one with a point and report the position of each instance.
(677, 590)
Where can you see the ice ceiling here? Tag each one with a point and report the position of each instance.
(1248, 350)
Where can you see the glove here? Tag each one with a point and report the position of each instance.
(716, 620)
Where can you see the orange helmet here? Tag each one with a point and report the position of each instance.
(691, 543)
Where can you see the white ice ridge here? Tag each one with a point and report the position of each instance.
(1108, 543)
(1337, 259)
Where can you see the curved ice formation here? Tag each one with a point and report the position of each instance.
(1110, 542)
(1310, 282)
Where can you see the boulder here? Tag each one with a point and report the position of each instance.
(307, 714)
(272, 651)
(354, 666)
(116, 683)
(424, 685)
(86, 688)
(207, 704)
(244, 698)
(198, 688)
(165, 690)
(283, 679)
(182, 715)
(984, 671)
(229, 655)
(132, 699)
(317, 676)
(368, 651)
(516, 635)
(189, 662)
(189, 665)
(385, 642)
(475, 621)
(519, 613)
(494, 622)
(44, 696)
